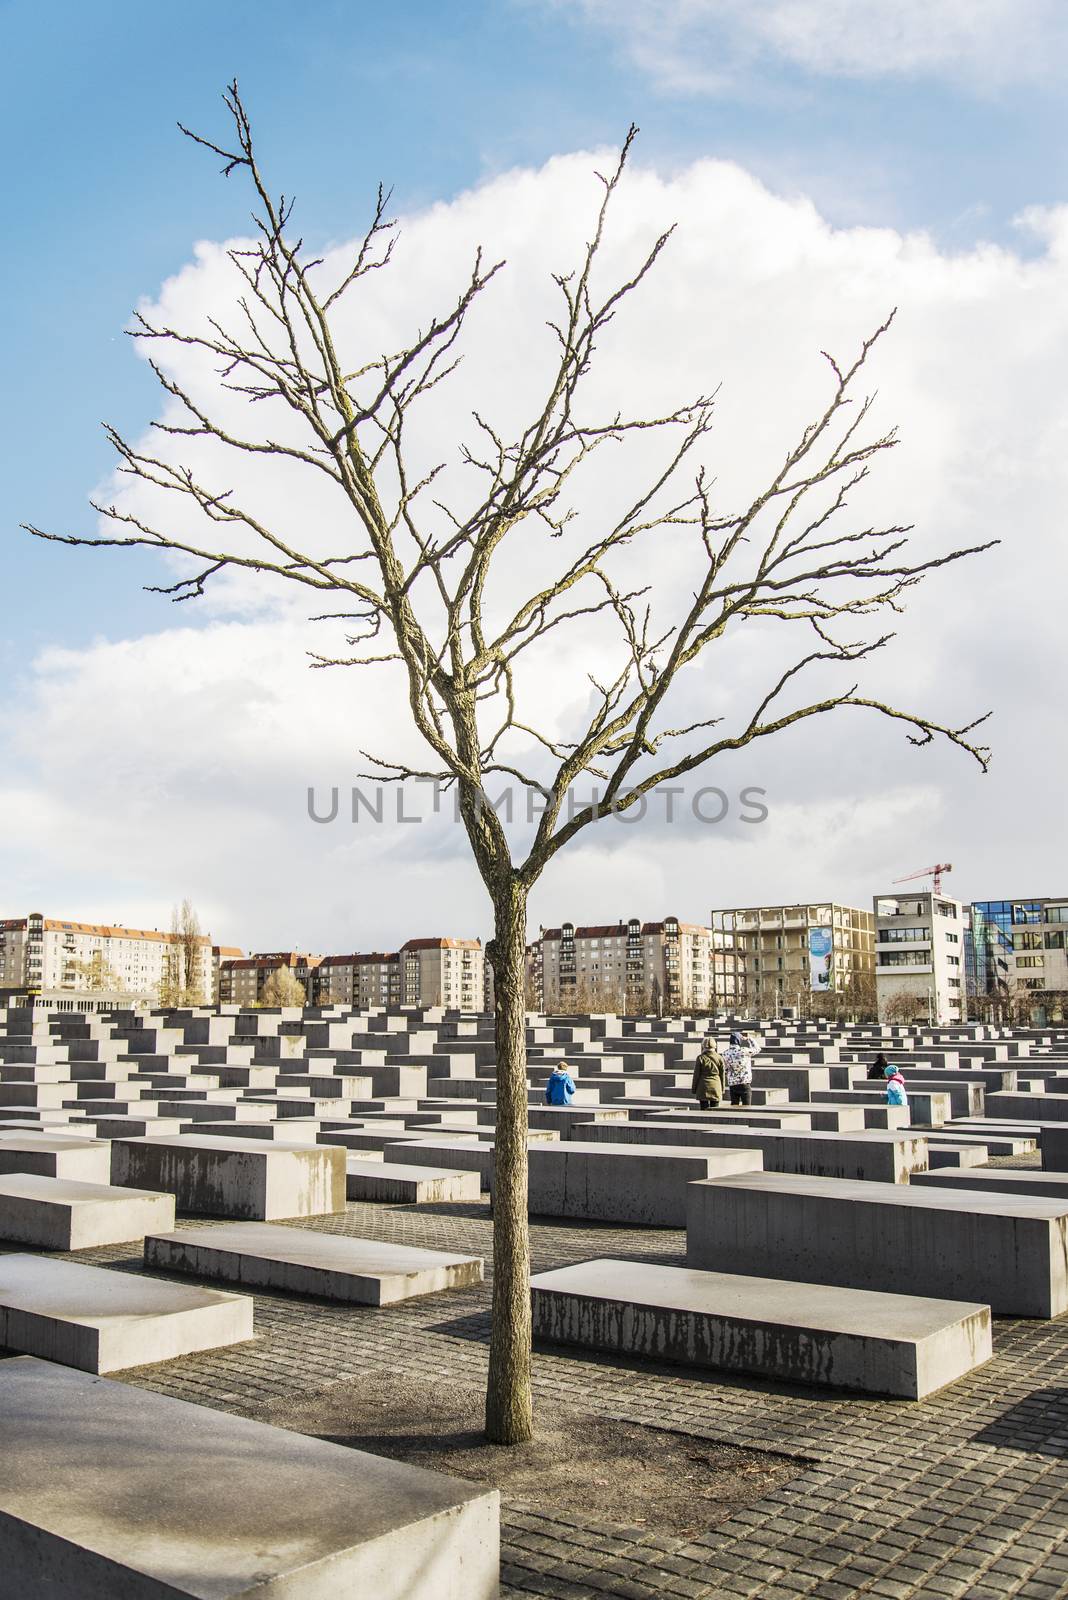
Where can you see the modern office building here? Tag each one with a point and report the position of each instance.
(1018, 957)
(42, 955)
(920, 964)
(815, 957)
(630, 966)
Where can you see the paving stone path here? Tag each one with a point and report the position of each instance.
(965, 1494)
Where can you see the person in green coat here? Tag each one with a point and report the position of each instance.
(708, 1076)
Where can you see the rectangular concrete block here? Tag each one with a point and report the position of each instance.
(78, 1159)
(286, 1515)
(1022, 1181)
(1053, 1143)
(104, 1321)
(797, 1332)
(643, 1185)
(994, 1249)
(873, 1157)
(331, 1266)
(394, 1184)
(55, 1214)
(255, 1179)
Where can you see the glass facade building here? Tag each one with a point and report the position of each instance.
(1017, 951)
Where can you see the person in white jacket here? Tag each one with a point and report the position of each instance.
(738, 1062)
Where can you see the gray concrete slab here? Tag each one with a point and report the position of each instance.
(79, 1159)
(255, 1179)
(1053, 1143)
(1022, 1181)
(394, 1184)
(1000, 1250)
(872, 1156)
(103, 1321)
(644, 1185)
(56, 1214)
(331, 1266)
(890, 1344)
(91, 1505)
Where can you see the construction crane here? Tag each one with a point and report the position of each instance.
(929, 872)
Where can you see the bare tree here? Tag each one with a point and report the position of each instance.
(413, 579)
(95, 974)
(906, 1005)
(183, 981)
(282, 988)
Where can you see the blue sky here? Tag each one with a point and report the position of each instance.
(105, 200)
(105, 197)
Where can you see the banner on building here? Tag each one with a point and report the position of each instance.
(820, 954)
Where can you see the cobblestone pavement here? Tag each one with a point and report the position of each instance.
(965, 1494)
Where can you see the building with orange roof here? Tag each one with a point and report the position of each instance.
(47, 955)
(631, 966)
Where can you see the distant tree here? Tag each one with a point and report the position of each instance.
(184, 980)
(95, 975)
(422, 574)
(282, 989)
(905, 1006)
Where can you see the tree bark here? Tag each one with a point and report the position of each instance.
(509, 1406)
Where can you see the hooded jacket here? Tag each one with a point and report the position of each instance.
(707, 1083)
(895, 1090)
(560, 1089)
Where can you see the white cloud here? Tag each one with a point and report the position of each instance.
(143, 769)
(696, 46)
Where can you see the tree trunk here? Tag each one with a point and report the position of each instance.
(509, 1407)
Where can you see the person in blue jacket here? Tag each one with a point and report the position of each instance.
(895, 1088)
(560, 1089)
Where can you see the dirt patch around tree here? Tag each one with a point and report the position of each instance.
(580, 1467)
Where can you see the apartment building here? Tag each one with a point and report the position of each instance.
(219, 954)
(424, 972)
(242, 979)
(811, 956)
(46, 955)
(443, 972)
(921, 958)
(359, 980)
(629, 966)
(1017, 957)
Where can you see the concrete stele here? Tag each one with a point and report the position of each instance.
(997, 1249)
(56, 1214)
(103, 1321)
(254, 1179)
(809, 1333)
(204, 1504)
(304, 1261)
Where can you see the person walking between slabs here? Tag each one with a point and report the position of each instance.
(707, 1083)
(896, 1094)
(738, 1061)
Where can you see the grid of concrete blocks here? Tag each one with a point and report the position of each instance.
(832, 1241)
